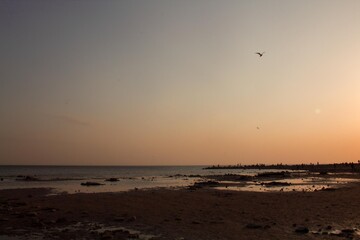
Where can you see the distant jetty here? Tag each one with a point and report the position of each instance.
(321, 168)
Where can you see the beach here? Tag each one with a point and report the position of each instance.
(179, 120)
(195, 212)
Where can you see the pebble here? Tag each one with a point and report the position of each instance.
(31, 214)
(61, 220)
(107, 235)
(302, 229)
(48, 209)
(119, 219)
(50, 222)
(131, 219)
(348, 231)
(133, 236)
(267, 226)
(38, 224)
(253, 226)
(335, 233)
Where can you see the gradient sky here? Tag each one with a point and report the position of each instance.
(177, 82)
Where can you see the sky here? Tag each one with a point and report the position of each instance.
(167, 82)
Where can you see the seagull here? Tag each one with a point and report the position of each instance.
(260, 54)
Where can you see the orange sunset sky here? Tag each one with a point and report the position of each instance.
(178, 82)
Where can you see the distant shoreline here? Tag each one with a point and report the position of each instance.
(65, 165)
(322, 168)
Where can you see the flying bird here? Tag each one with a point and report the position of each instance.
(260, 54)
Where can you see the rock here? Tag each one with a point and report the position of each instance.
(348, 231)
(19, 204)
(50, 222)
(253, 226)
(26, 178)
(31, 214)
(107, 235)
(112, 180)
(275, 184)
(217, 222)
(302, 229)
(194, 176)
(61, 220)
(195, 222)
(155, 238)
(133, 236)
(207, 183)
(131, 219)
(125, 231)
(36, 223)
(21, 215)
(91, 184)
(328, 227)
(119, 219)
(282, 174)
(49, 209)
(336, 233)
(244, 178)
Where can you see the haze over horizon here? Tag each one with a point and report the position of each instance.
(178, 82)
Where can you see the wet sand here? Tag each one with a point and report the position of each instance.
(204, 213)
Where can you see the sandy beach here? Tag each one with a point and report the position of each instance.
(188, 213)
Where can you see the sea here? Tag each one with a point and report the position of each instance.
(68, 179)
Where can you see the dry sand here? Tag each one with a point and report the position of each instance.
(181, 214)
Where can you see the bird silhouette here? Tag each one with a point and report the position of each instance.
(260, 54)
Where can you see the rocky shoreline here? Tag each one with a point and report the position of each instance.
(189, 213)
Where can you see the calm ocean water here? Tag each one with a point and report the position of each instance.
(69, 178)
